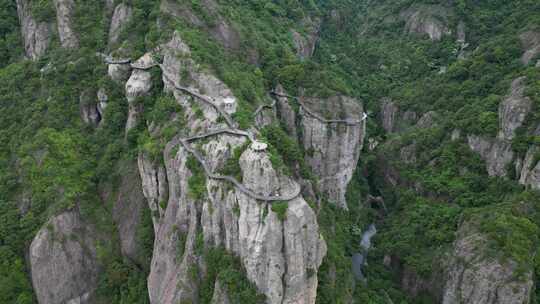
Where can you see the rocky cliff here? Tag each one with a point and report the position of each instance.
(63, 261)
(430, 20)
(498, 152)
(36, 34)
(281, 254)
(332, 138)
(474, 277)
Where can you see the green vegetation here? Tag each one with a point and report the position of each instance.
(280, 208)
(232, 165)
(197, 180)
(51, 162)
(43, 10)
(229, 271)
(11, 47)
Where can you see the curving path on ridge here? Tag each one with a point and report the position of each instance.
(231, 130)
(230, 122)
(292, 195)
(220, 131)
(351, 122)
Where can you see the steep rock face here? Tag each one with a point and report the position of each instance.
(286, 113)
(220, 294)
(389, 111)
(119, 73)
(395, 120)
(430, 20)
(138, 84)
(219, 29)
(277, 255)
(64, 15)
(530, 172)
(36, 35)
(103, 100)
(531, 46)
(497, 153)
(88, 108)
(127, 209)
(63, 261)
(333, 148)
(305, 44)
(121, 17)
(476, 278)
(427, 120)
(415, 285)
(154, 184)
(513, 110)
(280, 256)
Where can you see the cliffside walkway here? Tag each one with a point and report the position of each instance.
(351, 122)
(258, 196)
(208, 100)
(231, 130)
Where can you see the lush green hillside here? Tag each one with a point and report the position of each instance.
(51, 161)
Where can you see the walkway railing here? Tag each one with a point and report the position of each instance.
(351, 122)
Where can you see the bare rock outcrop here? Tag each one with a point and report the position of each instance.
(36, 34)
(280, 257)
(138, 85)
(88, 107)
(395, 120)
(119, 73)
(430, 20)
(220, 29)
(280, 253)
(497, 153)
(129, 203)
(332, 138)
(530, 172)
(474, 277)
(121, 17)
(286, 113)
(530, 42)
(389, 112)
(64, 21)
(305, 43)
(63, 261)
(513, 110)
(334, 149)
(220, 294)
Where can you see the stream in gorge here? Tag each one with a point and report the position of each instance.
(359, 259)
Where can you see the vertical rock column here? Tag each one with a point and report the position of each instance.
(64, 262)
(64, 20)
(36, 35)
(333, 149)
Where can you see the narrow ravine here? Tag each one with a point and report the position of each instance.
(359, 259)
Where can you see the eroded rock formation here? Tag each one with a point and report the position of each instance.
(121, 17)
(64, 21)
(281, 255)
(430, 20)
(474, 277)
(513, 110)
(63, 261)
(36, 34)
(333, 149)
(530, 41)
